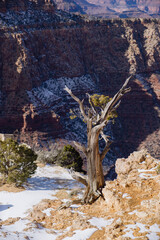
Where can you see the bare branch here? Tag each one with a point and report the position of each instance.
(78, 101)
(117, 105)
(105, 150)
(81, 147)
(105, 137)
(78, 177)
(90, 102)
(114, 100)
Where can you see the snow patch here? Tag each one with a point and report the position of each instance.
(100, 222)
(144, 173)
(151, 232)
(43, 184)
(81, 234)
(48, 211)
(133, 212)
(126, 195)
(52, 90)
(21, 202)
(146, 176)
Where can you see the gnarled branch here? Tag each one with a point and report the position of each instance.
(78, 101)
(77, 176)
(91, 104)
(115, 99)
(110, 105)
(81, 147)
(105, 150)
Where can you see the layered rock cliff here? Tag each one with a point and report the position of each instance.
(23, 5)
(112, 8)
(41, 51)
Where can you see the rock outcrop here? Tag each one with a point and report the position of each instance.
(130, 208)
(134, 197)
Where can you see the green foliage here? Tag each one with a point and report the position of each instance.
(72, 115)
(17, 162)
(100, 100)
(158, 169)
(68, 157)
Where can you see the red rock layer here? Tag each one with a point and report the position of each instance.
(108, 50)
(22, 5)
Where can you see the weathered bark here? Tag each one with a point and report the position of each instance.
(94, 167)
(95, 124)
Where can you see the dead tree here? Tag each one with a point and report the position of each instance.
(96, 121)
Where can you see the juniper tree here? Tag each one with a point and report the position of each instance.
(17, 162)
(101, 109)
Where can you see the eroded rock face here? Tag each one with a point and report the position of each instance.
(133, 196)
(40, 52)
(23, 5)
(128, 169)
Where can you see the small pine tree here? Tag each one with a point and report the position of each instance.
(17, 162)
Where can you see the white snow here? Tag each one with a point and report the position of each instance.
(146, 170)
(81, 234)
(53, 89)
(151, 232)
(155, 228)
(52, 172)
(47, 211)
(16, 232)
(133, 212)
(100, 222)
(126, 195)
(153, 236)
(43, 185)
(144, 173)
(17, 204)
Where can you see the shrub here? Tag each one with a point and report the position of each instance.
(65, 156)
(158, 169)
(46, 157)
(17, 162)
(68, 157)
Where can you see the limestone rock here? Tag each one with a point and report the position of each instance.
(36, 215)
(129, 169)
(112, 201)
(137, 190)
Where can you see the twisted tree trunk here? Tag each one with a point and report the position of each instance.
(95, 125)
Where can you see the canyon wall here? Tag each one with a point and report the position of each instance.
(41, 51)
(23, 5)
(112, 8)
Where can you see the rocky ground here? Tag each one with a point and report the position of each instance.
(130, 208)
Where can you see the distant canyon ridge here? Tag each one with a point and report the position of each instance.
(42, 49)
(112, 8)
(99, 8)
